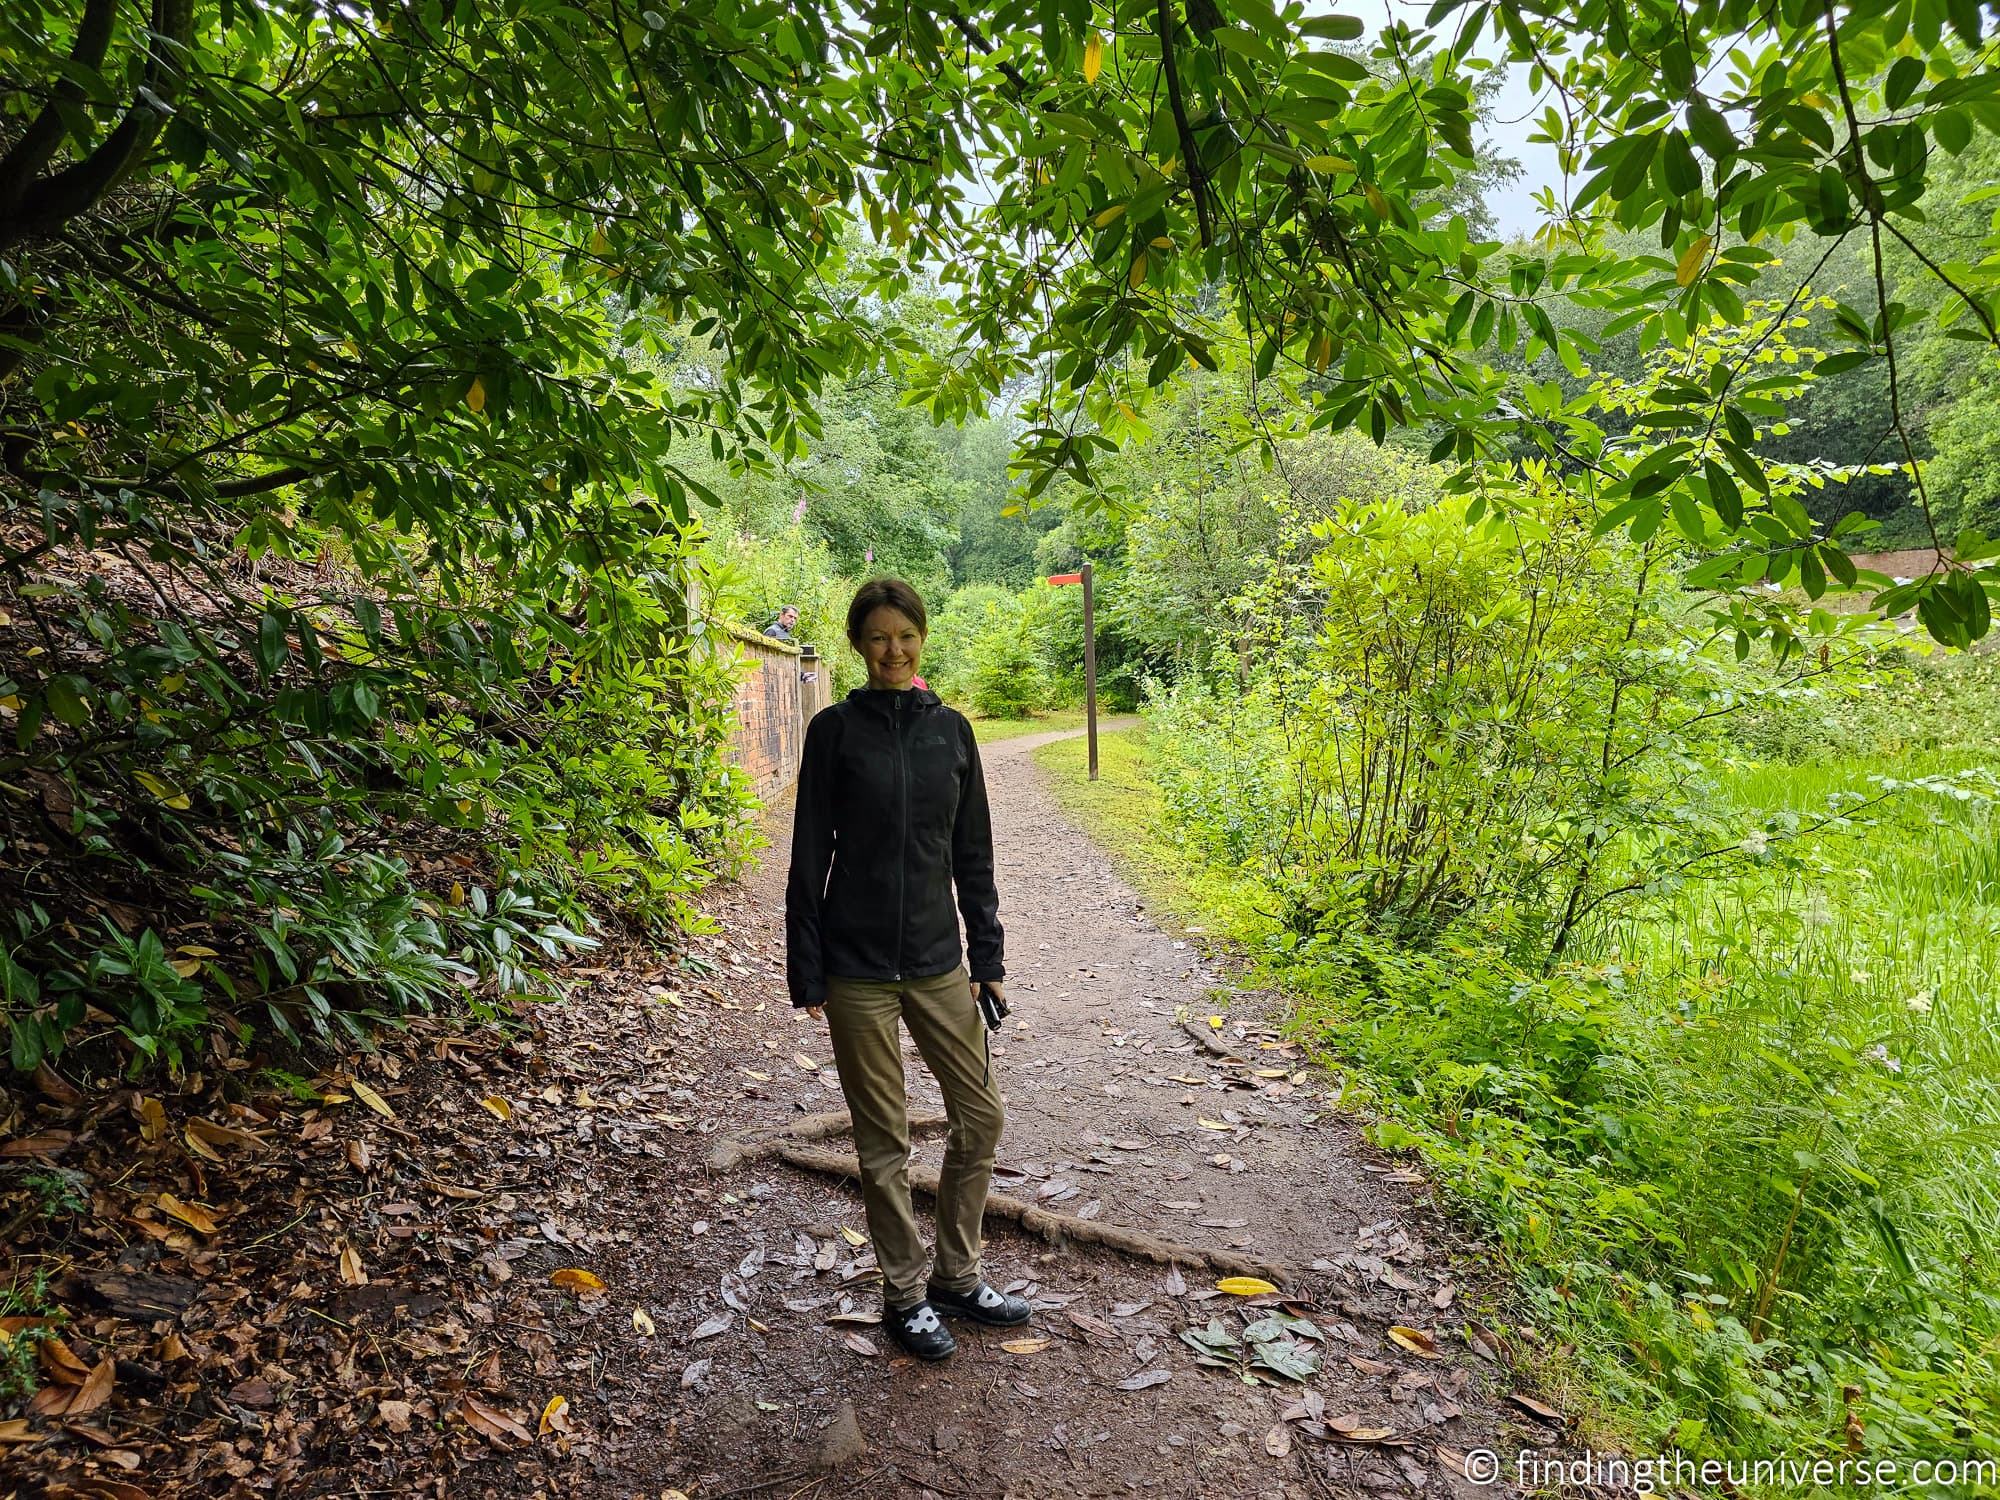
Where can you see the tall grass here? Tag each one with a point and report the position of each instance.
(1822, 1106)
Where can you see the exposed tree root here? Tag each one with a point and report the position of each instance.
(733, 1151)
(1057, 1229)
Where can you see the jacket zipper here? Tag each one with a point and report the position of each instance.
(902, 863)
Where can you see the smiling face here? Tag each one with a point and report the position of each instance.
(891, 644)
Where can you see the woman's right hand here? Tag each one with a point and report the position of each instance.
(817, 1012)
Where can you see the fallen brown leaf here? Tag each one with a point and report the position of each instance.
(189, 1214)
(351, 1270)
(96, 1390)
(61, 1364)
(491, 1423)
(1530, 1404)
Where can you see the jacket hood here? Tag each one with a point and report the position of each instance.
(924, 696)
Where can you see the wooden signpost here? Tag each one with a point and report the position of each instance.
(1089, 656)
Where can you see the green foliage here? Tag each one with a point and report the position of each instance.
(20, 1365)
(59, 1193)
(958, 622)
(1001, 671)
(342, 563)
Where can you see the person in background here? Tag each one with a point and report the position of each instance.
(780, 629)
(891, 817)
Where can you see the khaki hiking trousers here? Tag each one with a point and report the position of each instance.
(950, 1034)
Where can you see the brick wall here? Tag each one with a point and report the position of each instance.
(774, 701)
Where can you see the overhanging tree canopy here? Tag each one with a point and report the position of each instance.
(386, 282)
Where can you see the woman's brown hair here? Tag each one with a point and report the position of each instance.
(877, 592)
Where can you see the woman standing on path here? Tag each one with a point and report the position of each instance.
(891, 815)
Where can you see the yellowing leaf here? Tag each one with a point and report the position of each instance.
(642, 1322)
(555, 1416)
(1244, 1286)
(1691, 259)
(165, 791)
(475, 394)
(457, 894)
(1093, 58)
(805, 1062)
(351, 1271)
(1025, 1346)
(187, 1213)
(497, 1107)
(1349, 1429)
(753, 1073)
(576, 1279)
(599, 245)
(152, 1119)
(373, 1100)
(1107, 215)
(187, 968)
(199, 1146)
(1329, 164)
(1207, 1124)
(1416, 1341)
(1375, 199)
(853, 1237)
(1136, 277)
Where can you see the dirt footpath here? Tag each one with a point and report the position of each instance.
(473, 1262)
(1115, 1114)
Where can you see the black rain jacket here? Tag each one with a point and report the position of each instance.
(891, 814)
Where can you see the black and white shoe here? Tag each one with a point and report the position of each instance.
(919, 1330)
(982, 1303)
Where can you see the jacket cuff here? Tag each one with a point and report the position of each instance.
(986, 972)
(812, 992)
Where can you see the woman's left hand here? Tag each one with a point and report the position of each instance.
(817, 1012)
